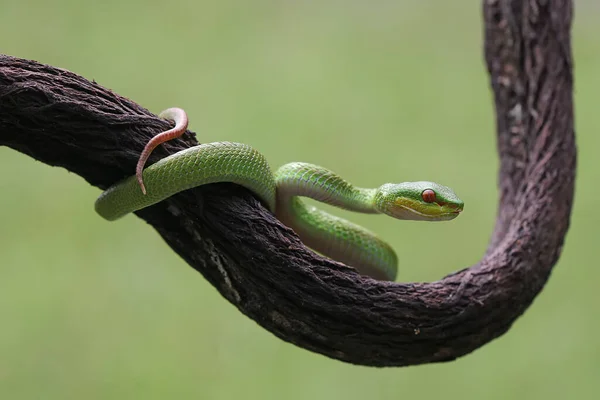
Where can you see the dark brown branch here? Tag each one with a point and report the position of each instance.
(262, 268)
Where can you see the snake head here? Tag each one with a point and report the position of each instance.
(420, 201)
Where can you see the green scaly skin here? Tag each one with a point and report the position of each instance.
(239, 163)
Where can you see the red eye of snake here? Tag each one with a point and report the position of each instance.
(428, 196)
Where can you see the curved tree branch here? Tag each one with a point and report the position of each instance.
(261, 267)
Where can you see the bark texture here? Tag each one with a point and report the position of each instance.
(261, 267)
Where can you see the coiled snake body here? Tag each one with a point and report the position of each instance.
(239, 163)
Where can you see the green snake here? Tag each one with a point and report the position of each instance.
(239, 163)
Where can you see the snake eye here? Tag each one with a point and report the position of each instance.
(428, 196)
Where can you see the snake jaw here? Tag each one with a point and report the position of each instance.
(441, 216)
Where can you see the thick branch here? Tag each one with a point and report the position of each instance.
(262, 268)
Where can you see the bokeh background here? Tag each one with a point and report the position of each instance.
(378, 91)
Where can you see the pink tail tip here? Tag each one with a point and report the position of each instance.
(141, 182)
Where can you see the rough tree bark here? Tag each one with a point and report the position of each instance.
(262, 268)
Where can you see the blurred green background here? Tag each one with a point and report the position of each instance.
(378, 91)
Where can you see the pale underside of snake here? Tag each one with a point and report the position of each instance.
(281, 192)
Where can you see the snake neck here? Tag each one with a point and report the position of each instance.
(307, 180)
(327, 234)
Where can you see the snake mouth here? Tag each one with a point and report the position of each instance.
(440, 216)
